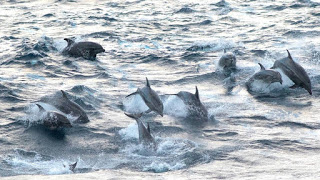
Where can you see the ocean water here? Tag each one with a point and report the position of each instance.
(273, 133)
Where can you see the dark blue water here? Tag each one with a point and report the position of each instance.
(269, 135)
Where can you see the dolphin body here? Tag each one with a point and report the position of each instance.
(228, 61)
(54, 120)
(150, 98)
(268, 76)
(196, 110)
(63, 104)
(87, 50)
(145, 136)
(295, 72)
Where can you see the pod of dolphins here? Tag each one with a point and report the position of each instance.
(64, 107)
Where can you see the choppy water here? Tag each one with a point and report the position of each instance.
(177, 46)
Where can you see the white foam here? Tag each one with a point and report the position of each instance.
(174, 106)
(159, 166)
(216, 44)
(33, 165)
(130, 132)
(134, 104)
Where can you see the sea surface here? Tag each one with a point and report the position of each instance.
(271, 134)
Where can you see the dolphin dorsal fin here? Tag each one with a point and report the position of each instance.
(41, 109)
(73, 166)
(64, 94)
(69, 41)
(197, 93)
(289, 55)
(148, 84)
(148, 128)
(261, 66)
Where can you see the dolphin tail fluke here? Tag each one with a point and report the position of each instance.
(261, 66)
(73, 166)
(294, 86)
(134, 116)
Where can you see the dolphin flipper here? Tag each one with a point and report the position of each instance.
(135, 93)
(148, 111)
(294, 86)
(134, 116)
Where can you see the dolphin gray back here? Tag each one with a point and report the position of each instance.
(294, 71)
(62, 103)
(54, 120)
(85, 49)
(196, 109)
(151, 98)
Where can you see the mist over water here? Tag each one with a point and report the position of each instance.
(270, 133)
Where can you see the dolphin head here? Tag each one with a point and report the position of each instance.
(307, 85)
(276, 76)
(228, 60)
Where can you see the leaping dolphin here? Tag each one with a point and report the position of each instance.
(150, 98)
(86, 49)
(228, 60)
(268, 76)
(63, 104)
(53, 120)
(295, 72)
(196, 110)
(145, 136)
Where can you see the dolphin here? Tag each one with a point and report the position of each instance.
(228, 60)
(63, 104)
(86, 49)
(268, 76)
(196, 110)
(150, 98)
(72, 166)
(294, 71)
(145, 136)
(54, 120)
